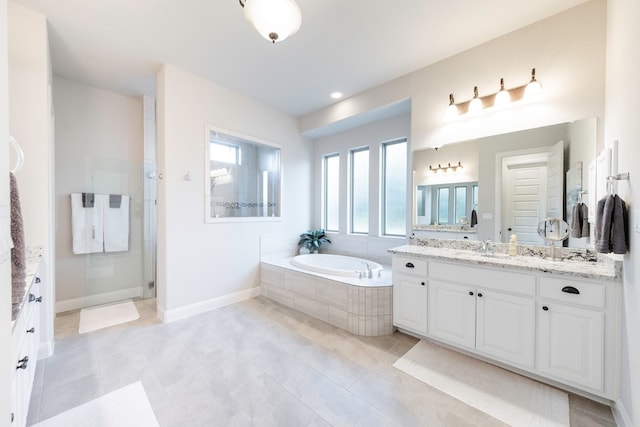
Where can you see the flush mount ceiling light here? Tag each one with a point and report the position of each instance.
(275, 20)
(336, 95)
(499, 99)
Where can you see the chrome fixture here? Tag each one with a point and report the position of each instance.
(275, 20)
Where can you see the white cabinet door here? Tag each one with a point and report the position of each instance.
(505, 327)
(571, 344)
(410, 303)
(452, 313)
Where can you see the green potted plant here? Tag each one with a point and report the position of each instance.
(312, 240)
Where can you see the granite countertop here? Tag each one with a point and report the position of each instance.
(603, 269)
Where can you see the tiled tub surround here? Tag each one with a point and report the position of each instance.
(359, 306)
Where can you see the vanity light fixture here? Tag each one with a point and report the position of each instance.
(501, 98)
(445, 168)
(275, 20)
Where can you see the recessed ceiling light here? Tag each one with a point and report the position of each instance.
(337, 95)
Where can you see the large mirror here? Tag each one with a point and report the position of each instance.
(242, 177)
(522, 178)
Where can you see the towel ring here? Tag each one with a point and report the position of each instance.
(19, 155)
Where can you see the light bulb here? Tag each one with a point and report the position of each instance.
(452, 109)
(502, 97)
(476, 104)
(534, 88)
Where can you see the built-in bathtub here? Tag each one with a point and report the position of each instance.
(338, 265)
(361, 306)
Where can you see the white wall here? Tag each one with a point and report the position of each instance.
(200, 264)
(5, 267)
(373, 246)
(99, 149)
(31, 123)
(567, 51)
(622, 124)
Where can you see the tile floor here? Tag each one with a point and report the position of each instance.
(255, 363)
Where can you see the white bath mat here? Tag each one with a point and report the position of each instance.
(507, 397)
(126, 407)
(103, 316)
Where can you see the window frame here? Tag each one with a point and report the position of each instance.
(383, 185)
(325, 192)
(352, 153)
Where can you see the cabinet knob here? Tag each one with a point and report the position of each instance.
(32, 297)
(471, 293)
(545, 308)
(409, 265)
(38, 279)
(39, 299)
(479, 295)
(422, 283)
(22, 363)
(32, 330)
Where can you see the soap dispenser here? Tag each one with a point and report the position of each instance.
(513, 245)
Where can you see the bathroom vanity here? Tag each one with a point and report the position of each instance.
(555, 321)
(25, 343)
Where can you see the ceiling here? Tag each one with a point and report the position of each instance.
(348, 46)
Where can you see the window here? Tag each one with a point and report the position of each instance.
(394, 188)
(242, 176)
(360, 190)
(331, 191)
(452, 202)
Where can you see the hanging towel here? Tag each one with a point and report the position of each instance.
(576, 221)
(115, 200)
(611, 225)
(474, 218)
(619, 227)
(87, 224)
(586, 229)
(116, 226)
(88, 200)
(18, 252)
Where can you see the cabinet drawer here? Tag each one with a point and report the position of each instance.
(408, 265)
(480, 277)
(590, 294)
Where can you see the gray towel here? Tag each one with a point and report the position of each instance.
(88, 200)
(115, 200)
(18, 252)
(586, 230)
(619, 224)
(576, 221)
(474, 218)
(612, 221)
(603, 224)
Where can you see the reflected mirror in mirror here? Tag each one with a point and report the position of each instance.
(242, 177)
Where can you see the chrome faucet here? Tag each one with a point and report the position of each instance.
(485, 247)
(369, 272)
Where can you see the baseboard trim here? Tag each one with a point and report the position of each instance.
(203, 306)
(91, 300)
(620, 414)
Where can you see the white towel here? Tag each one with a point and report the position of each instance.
(87, 225)
(116, 226)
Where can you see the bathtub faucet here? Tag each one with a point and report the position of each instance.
(369, 272)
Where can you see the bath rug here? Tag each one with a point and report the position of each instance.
(125, 407)
(103, 316)
(508, 397)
